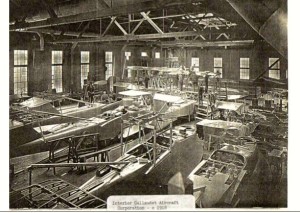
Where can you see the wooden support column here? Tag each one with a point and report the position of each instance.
(123, 60)
(72, 65)
(154, 144)
(42, 41)
(122, 141)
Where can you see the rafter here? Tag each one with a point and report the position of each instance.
(84, 29)
(95, 15)
(62, 33)
(49, 9)
(103, 4)
(139, 24)
(130, 37)
(120, 27)
(188, 17)
(109, 25)
(145, 16)
(223, 34)
(201, 36)
(155, 18)
(196, 43)
(270, 67)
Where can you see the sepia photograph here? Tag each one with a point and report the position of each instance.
(149, 105)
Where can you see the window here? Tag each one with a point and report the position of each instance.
(218, 66)
(57, 70)
(85, 65)
(157, 54)
(127, 55)
(274, 71)
(20, 71)
(195, 63)
(244, 68)
(108, 64)
(144, 54)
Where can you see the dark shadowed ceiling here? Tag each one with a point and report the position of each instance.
(160, 22)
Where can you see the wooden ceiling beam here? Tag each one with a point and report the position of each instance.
(103, 4)
(139, 24)
(84, 29)
(62, 33)
(145, 16)
(130, 37)
(95, 15)
(109, 25)
(196, 43)
(155, 18)
(49, 9)
(120, 27)
(66, 32)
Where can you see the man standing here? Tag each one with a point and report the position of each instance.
(180, 81)
(218, 75)
(84, 90)
(206, 82)
(200, 95)
(194, 79)
(91, 92)
(146, 80)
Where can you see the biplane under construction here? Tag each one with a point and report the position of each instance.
(36, 121)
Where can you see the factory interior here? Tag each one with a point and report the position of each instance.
(148, 97)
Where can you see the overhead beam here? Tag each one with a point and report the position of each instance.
(94, 15)
(204, 35)
(103, 4)
(198, 19)
(49, 9)
(120, 27)
(145, 16)
(139, 24)
(84, 29)
(201, 36)
(272, 27)
(223, 34)
(109, 25)
(62, 33)
(130, 37)
(79, 36)
(195, 43)
(155, 18)
(191, 23)
(270, 67)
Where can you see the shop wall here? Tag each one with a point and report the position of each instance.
(39, 62)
